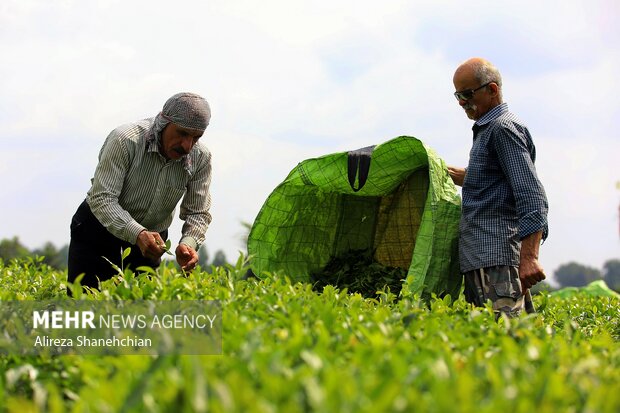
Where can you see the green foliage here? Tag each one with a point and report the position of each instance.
(358, 272)
(541, 287)
(13, 249)
(30, 279)
(288, 348)
(52, 256)
(166, 246)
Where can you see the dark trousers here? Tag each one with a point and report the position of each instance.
(91, 243)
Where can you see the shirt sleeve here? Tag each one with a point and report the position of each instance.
(196, 204)
(516, 155)
(114, 162)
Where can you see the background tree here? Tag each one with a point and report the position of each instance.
(611, 271)
(247, 226)
(12, 248)
(203, 257)
(219, 259)
(576, 275)
(56, 258)
(52, 256)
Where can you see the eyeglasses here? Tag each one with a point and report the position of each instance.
(469, 93)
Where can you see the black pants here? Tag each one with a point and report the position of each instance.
(91, 242)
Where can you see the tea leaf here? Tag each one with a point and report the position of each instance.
(126, 253)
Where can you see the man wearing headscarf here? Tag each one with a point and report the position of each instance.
(145, 168)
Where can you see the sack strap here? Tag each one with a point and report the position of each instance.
(359, 166)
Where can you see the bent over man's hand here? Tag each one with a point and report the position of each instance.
(151, 245)
(187, 257)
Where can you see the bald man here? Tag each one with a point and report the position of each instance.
(504, 210)
(145, 168)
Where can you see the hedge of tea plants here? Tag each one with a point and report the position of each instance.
(290, 348)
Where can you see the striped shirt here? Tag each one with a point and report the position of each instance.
(503, 199)
(136, 188)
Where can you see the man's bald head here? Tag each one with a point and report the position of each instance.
(478, 86)
(482, 71)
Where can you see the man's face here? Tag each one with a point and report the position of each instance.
(177, 141)
(481, 101)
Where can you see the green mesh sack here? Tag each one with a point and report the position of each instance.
(395, 199)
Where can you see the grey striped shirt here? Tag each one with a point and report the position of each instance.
(136, 188)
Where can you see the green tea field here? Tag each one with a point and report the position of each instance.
(288, 348)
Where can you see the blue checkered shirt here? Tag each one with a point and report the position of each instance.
(503, 199)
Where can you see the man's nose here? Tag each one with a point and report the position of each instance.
(187, 144)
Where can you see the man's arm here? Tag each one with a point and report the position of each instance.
(113, 166)
(516, 159)
(530, 270)
(195, 212)
(517, 162)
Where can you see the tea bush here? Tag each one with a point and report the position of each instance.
(288, 348)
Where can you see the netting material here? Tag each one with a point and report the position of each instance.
(406, 210)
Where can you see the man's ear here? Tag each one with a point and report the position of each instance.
(494, 88)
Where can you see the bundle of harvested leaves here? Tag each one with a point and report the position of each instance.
(358, 272)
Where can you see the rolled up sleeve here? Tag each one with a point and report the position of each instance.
(196, 204)
(516, 155)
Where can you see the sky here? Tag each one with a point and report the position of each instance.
(289, 80)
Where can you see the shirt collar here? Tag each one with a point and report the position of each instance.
(492, 114)
(152, 145)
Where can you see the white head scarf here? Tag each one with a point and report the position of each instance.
(187, 110)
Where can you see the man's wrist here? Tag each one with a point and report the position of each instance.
(132, 231)
(190, 242)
